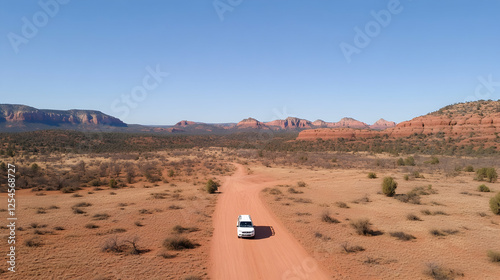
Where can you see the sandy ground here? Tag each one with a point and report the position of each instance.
(272, 254)
(291, 243)
(75, 252)
(386, 257)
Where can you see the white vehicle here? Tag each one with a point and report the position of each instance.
(245, 227)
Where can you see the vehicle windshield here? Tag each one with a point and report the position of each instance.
(245, 224)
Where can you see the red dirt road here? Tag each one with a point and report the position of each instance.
(273, 254)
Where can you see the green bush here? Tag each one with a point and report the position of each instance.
(434, 160)
(494, 256)
(113, 183)
(410, 161)
(372, 175)
(483, 188)
(212, 186)
(389, 186)
(488, 173)
(469, 168)
(495, 204)
(401, 162)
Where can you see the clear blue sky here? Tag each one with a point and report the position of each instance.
(265, 59)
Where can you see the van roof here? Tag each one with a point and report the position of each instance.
(245, 218)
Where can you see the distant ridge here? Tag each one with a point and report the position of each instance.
(14, 117)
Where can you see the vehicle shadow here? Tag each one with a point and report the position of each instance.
(262, 232)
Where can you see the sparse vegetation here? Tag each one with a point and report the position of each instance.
(180, 229)
(33, 242)
(495, 204)
(438, 272)
(351, 249)
(402, 236)
(372, 175)
(413, 217)
(212, 186)
(178, 243)
(486, 173)
(483, 188)
(389, 186)
(494, 256)
(91, 226)
(325, 217)
(362, 226)
(100, 216)
(341, 204)
(301, 184)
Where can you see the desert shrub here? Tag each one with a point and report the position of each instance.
(302, 200)
(212, 186)
(438, 272)
(158, 195)
(488, 173)
(325, 217)
(350, 249)
(275, 191)
(90, 225)
(341, 204)
(402, 236)
(495, 204)
(436, 232)
(145, 211)
(401, 162)
(100, 216)
(58, 228)
(166, 255)
(138, 223)
(178, 243)
(494, 256)
(417, 175)
(410, 161)
(483, 188)
(389, 186)
(406, 177)
(70, 189)
(372, 175)
(41, 211)
(294, 191)
(413, 217)
(77, 195)
(33, 242)
(301, 184)
(82, 204)
(469, 168)
(362, 226)
(426, 212)
(113, 183)
(53, 207)
(174, 207)
(180, 229)
(433, 160)
(78, 211)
